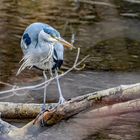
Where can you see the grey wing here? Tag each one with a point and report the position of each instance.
(58, 51)
(25, 45)
(58, 55)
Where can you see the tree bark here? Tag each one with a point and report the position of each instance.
(105, 112)
(92, 101)
(20, 110)
(75, 105)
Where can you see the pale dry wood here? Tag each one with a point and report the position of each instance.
(105, 112)
(20, 110)
(75, 105)
(115, 109)
(86, 102)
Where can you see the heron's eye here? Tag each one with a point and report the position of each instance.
(27, 39)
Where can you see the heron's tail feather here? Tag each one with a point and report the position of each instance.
(26, 63)
(37, 58)
(23, 59)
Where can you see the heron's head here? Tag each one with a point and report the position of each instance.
(52, 36)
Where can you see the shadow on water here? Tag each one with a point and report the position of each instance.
(108, 31)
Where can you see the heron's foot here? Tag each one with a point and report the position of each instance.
(48, 108)
(43, 108)
(61, 101)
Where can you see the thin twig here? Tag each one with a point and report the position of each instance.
(7, 84)
(43, 83)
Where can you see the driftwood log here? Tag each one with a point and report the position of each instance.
(110, 96)
(75, 105)
(99, 104)
(20, 110)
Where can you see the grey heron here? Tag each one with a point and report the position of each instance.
(43, 48)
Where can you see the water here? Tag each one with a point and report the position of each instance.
(110, 34)
(108, 30)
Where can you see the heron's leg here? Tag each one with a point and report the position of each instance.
(61, 98)
(45, 89)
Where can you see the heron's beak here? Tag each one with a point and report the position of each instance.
(65, 43)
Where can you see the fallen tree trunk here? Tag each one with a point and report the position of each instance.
(112, 110)
(78, 104)
(20, 110)
(82, 103)
(75, 105)
(104, 112)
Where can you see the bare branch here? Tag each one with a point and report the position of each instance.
(33, 87)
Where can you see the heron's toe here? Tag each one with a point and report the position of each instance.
(61, 101)
(43, 108)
